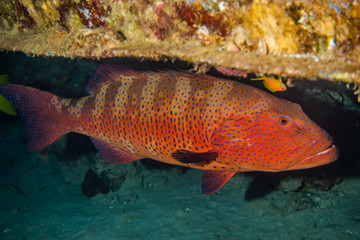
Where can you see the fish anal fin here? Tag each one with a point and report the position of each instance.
(111, 154)
(214, 180)
(108, 73)
(185, 156)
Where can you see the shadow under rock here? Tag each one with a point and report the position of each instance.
(261, 185)
(76, 146)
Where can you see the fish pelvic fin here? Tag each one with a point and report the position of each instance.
(214, 180)
(44, 121)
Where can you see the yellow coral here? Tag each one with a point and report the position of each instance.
(270, 24)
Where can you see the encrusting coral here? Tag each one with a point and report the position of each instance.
(291, 39)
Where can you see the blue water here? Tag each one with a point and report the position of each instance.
(41, 196)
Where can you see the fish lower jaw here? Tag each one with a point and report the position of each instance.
(326, 156)
(327, 150)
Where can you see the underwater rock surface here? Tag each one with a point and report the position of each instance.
(41, 197)
(292, 39)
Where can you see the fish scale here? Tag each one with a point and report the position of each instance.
(186, 119)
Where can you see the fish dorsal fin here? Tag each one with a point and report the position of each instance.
(214, 180)
(108, 73)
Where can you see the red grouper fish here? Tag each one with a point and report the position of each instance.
(191, 120)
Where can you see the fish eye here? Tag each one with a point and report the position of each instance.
(285, 121)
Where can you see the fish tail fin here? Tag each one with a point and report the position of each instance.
(45, 122)
(5, 105)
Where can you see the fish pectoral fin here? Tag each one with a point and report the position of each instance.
(185, 156)
(214, 180)
(111, 154)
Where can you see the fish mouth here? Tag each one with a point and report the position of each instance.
(326, 156)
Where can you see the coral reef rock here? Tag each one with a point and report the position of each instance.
(293, 39)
